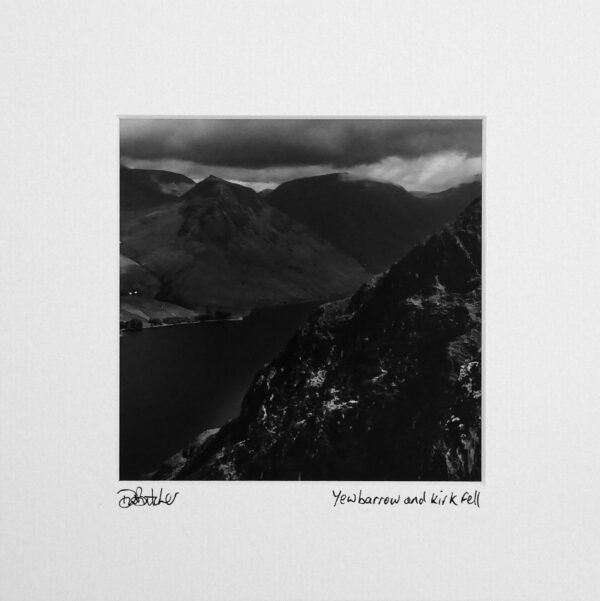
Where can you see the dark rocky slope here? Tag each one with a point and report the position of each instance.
(383, 385)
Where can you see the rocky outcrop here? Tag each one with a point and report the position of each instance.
(383, 385)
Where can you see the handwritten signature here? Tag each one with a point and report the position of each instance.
(136, 498)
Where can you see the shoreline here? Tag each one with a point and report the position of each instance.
(238, 317)
(269, 323)
(184, 323)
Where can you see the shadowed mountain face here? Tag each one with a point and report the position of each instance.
(220, 244)
(383, 385)
(446, 205)
(144, 188)
(135, 277)
(374, 222)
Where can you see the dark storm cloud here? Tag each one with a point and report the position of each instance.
(268, 143)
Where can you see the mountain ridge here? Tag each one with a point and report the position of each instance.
(382, 385)
(374, 222)
(221, 245)
(143, 189)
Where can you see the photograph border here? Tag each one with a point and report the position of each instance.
(483, 120)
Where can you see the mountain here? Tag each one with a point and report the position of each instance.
(221, 245)
(145, 188)
(384, 385)
(447, 204)
(374, 222)
(264, 193)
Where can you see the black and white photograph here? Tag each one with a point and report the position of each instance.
(300, 299)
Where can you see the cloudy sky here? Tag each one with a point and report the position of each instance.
(419, 154)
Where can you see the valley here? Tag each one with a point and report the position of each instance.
(328, 328)
(222, 247)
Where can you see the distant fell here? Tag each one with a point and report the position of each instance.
(375, 222)
(147, 188)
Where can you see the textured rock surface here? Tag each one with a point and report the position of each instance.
(383, 385)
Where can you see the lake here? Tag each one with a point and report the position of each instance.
(180, 380)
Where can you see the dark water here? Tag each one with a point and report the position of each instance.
(178, 381)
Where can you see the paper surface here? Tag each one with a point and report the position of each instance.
(69, 71)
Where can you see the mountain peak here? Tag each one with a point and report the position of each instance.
(214, 186)
(218, 192)
(214, 178)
